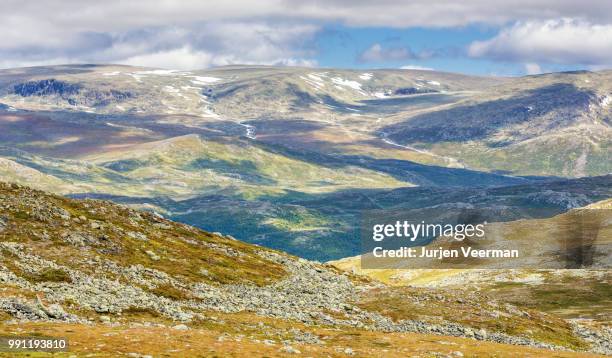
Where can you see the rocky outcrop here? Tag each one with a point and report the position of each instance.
(413, 90)
(46, 87)
(74, 94)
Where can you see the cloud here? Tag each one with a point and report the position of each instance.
(376, 53)
(198, 45)
(272, 31)
(533, 68)
(564, 41)
(444, 13)
(180, 58)
(55, 16)
(416, 67)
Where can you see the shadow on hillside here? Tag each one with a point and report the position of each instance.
(45, 132)
(248, 220)
(404, 170)
(478, 121)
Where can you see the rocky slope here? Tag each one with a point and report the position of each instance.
(67, 263)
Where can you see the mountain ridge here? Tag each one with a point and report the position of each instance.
(285, 148)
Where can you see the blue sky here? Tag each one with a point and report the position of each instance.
(443, 49)
(512, 38)
(341, 46)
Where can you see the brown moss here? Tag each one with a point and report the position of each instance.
(48, 275)
(140, 312)
(171, 292)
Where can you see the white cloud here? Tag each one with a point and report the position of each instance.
(564, 41)
(61, 16)
(187, 58)
(184, 58)
(377, 53)
(444, 13)
(300, 62)
(13, 63)
(533, 68)
(416, 67)
(268, 31)
(190, 47)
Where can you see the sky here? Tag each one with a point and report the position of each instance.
(510, 38)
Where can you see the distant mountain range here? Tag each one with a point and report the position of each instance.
(288, 157)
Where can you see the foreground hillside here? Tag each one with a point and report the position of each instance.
(175, 290)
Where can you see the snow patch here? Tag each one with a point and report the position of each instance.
(208, 112)
(190, 88)
(204, 80)
(314, 81)
(315, 77)
(171, 89)
(366, 76)
(341, 83)
(250, 130)
(138, 75)
(347, 83)
(380, 94)
(138, 78)
(159, 72)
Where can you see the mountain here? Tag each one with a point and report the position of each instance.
(520, 126)
(552, 124)
(288, 157)
(98, 273)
